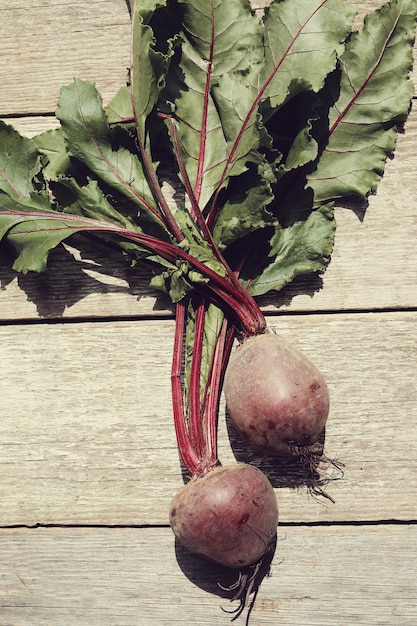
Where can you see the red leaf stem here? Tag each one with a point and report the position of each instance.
(221, 356)
(195, 209)
(198, 444)
(195, 408)
(203, 133)
(234, 296)
(186, 449)
(157, 191)
(153, 181)
(196, 212)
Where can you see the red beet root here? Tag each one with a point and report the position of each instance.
(230, 515)
(276, 398)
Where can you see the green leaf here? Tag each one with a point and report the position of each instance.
(303, 150)
(90, 140)
(33, 233)
(216, 38)
(52, 146)
(302, 41)
(196, 245)
(20, 162)
(245, 209)
(371, 97)
(302, 248)
(177, 281)
(227, 34)
(198, 140)
(120, 108)
(33, 246)
(36, 201)
(147, 75)
(89, 201)
(291, 132)
(34, 237)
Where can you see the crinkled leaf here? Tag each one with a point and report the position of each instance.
(216, 38)
(301, 248)
(90, 140)
(52, 146)
(179, 279)
(302, 40)
(291, 132)
(20, 162)
(303, 150)
(245, 209)
(370, 98)
(150, 64)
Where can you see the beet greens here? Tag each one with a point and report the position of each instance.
(264, 123)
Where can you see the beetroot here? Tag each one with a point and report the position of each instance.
(276, 398)
(230, 515)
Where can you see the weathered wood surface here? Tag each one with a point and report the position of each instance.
(86, 432)
(86, 437)
(44, 45)
(321, 576)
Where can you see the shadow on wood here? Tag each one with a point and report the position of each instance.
(73, 273)
(314, 474)
(240, 588)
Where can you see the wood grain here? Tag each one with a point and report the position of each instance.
(44, 45)
(86, 434)
(321, 576)
(87, 444)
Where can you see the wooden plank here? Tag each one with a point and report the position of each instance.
(86, 433)
(99, 284)
(374, 265)
(48, 43)
(33, 125)
(321, 576)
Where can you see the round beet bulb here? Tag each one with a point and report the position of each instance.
(277, 399)
(230, 515)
